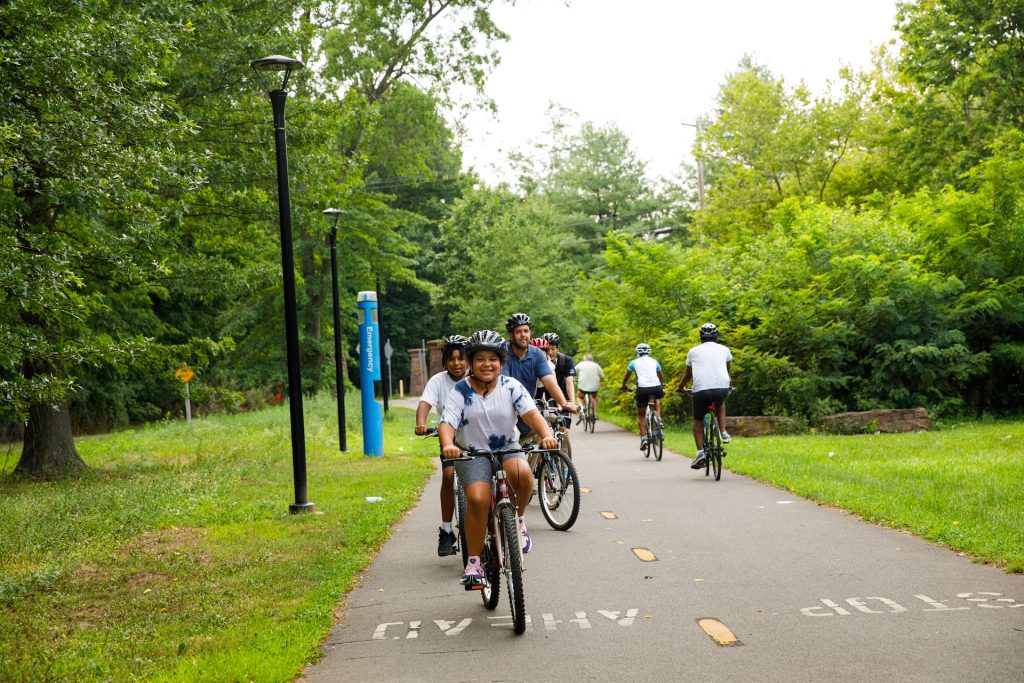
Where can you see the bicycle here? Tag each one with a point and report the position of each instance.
(460, 506)
(502, 553)
(655, 434)
(713, 449)
(588, 413)
(557, 481)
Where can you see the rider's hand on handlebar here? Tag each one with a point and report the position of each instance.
(421, 430)
(452, 451)
(549, 442)
(571, 407)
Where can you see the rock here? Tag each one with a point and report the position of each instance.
(869, 421)
(760, 425)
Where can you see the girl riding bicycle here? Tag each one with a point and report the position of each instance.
(484, 407)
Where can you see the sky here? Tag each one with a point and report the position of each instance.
(648, 66)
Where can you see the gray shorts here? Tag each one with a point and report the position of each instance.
(480, 469)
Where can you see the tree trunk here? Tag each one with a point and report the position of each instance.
(48, 450)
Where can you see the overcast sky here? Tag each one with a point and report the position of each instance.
(649, 65)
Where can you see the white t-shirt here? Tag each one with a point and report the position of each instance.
(708, 364)
(437, 390)
(589, 375)
(646, 369)
(488, 423)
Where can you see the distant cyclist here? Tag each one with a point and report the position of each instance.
(434, 394)
(589, 375)
(484, 408)
(708, 366)
(565, 369)
(649, 383)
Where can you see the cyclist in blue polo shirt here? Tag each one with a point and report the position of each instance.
(528, 364)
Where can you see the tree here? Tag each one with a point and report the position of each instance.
(89, 144)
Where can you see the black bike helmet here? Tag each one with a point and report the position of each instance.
(552, 338)
(456, 341)
(517, 319)
(485, 339)
(709, 332)
(643, 349)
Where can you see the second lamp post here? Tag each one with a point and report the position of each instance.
(339, 360)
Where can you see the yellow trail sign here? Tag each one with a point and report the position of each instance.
(184, 373)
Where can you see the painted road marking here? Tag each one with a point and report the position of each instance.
(584, 489)
(718, 632)
(644, 555)
(454, 628)
(831, 608)
(609, 515)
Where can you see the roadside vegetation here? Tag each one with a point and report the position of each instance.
(961, 485)
(175, 556)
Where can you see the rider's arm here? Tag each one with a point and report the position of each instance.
(555, 392)
(539, 425)
(570, 386)
(422, 410)
(446, 434)
(625, 379)
(687, 377)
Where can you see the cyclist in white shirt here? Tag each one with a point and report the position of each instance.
(708, 366)
(485, 407)
(437, 389)
(590, 376)
(649, 381)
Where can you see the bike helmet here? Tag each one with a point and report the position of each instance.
(539, 342)
(485, 339)
(456, 341)
(643, 349)
(709, 332)
(517, 319)
(553, 339)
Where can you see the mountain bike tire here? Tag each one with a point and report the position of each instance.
(491, 593)
(707, 444)
(513, 568)
(715, 458)
(558, 491)
(460, 520)
(658, 440)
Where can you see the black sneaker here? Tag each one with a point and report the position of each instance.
(446, 543)
(698, 462)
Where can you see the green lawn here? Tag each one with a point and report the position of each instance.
(961, 485)
(176, 557)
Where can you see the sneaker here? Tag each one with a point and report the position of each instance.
(473, 578)
(524, 538)
(446, 543)
(699, 461)
(726, 438)
(643, 442)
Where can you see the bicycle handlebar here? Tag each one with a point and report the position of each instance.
(472, 453)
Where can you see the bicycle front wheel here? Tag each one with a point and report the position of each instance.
(513, 568)
(558, 491)
(658, 438)
(460, 519)
(490, 559)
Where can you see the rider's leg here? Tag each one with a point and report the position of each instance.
(478, 502)
(698, 434)
(657, 407)
(720, 416)
(641, 419)
(520, 478)
(447, 494)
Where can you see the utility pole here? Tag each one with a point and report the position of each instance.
(700, 161)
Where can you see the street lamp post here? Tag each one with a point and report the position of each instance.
(339, 360)
(700, 163)
(287, 65)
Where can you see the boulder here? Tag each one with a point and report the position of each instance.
(871, 421)
(760, 425)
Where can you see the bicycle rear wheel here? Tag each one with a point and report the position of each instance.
(715, 458)
(707, 445)
(491, 593)
(558, 491)
(513, 568)
(591, 415)
(657, 438)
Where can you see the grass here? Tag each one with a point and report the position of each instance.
(175, 557)
(961, 485)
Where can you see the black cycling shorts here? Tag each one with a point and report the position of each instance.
(642, 394)
(708, 397)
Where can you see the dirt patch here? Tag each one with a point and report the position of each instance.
(145, 578)
(170, 541)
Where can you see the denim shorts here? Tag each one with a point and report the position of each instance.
(480, 468)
